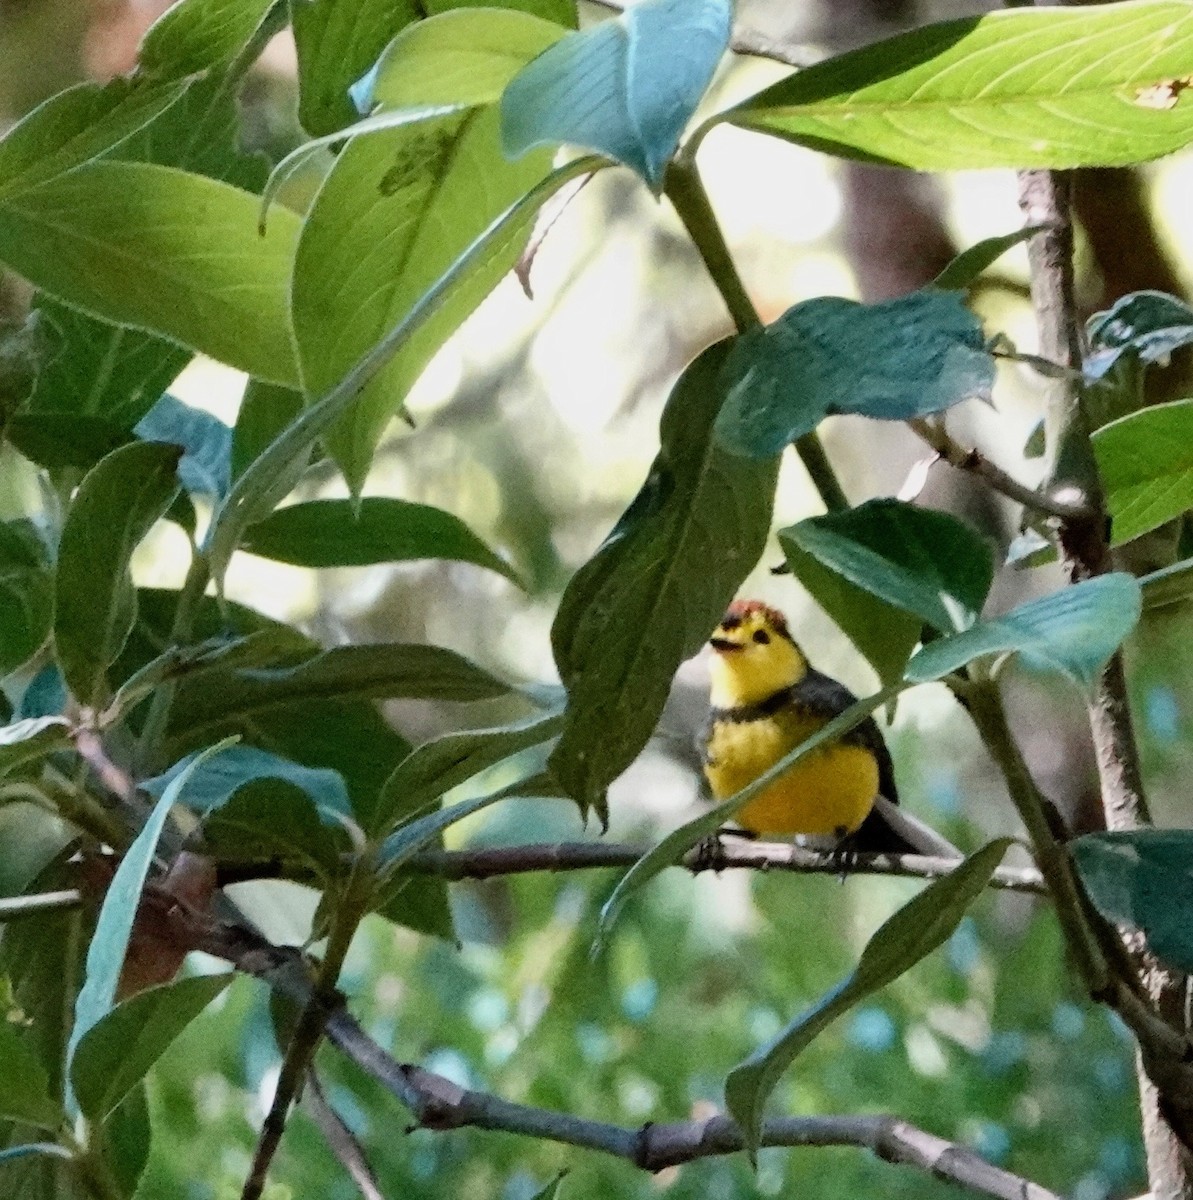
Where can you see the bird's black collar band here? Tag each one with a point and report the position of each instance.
(766, 707)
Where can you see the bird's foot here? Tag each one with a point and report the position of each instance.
(844, 855)
(708, 854)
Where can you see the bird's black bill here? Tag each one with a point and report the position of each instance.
(723, 645)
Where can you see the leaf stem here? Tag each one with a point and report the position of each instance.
(684, 188)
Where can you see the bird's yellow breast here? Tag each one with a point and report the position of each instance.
(829, 792)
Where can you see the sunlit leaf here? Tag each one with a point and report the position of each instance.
(195, 35)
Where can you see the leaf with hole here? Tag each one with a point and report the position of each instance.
(1073, 631)
(657, 587)
(95, 605)
(921, 353)
(1146, 464)
(118, 1051)
(911, 934)
(1022, 88)
(625, 88)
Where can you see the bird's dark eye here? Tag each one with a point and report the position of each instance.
(761, 636)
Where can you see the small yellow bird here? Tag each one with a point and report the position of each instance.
(766, 699)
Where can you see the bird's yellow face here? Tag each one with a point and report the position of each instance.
(754, 656)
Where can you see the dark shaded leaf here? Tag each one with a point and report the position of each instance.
(339, 533)
(118, 1051)
(26, 595)
(65, 439)
(24, 1086)
(1073, 631)
(1169, 585)
(126, 1138)
(1144, 325)
(970, 263)
(657, 587)
(30, 739)
(917, 929)
(624, 88)
(95, 605)
(918, 354)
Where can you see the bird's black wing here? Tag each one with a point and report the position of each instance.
(825, 697)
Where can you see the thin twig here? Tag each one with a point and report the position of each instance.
(341, 1139)
(973, 461)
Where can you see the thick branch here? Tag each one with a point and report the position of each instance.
(439, 1104)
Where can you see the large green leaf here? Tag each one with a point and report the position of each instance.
(255, 491)
(917, 929)
(1146, 463)
(1073, 631)
(265, 411)
(464, 56)
(196, 35)
(396, 211)
(902, 358)
(24, 1086)
(1091, 86)
(654, 591)
(1169, 585)
(338, 533)
(95, 605)
(105, 955)
(1143, 878)
(337, 42)
(446, 762)
(77, 126)
(26, 595)
(386, 670)
(118, 1051)
(100, 371)
(624, 88)
(162, 250)
(925, 563)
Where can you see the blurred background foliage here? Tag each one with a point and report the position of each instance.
(535, 425)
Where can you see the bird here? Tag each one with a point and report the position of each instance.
(765, 699)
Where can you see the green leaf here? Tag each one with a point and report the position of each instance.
(118, 1051)
(386, 670)
(440, 765)
(214, 783)
(1145, 325)
(562, 12)
(273, 818)
(63, 439)
(1073, 631)
(48, 1149)
(905, 938)
(1141, 878)
(105, 955)
(126, 1138)
(75, 127)
(924, 563)
(1169, 585)
(655, 590)
(883, 635)
(162, 250)
(550, 1191)
(918, 354)
(1146, 463)
(265, 411)
(337, 42)
(253, 495)
(196, 35)
(970, 263)
(464, 56)
(26, 596)
(205, 467)
(339, 533)
(1023, 88)
(30, 739)
(679, 841)
(95, 605)
(397, 210)
(624, 88)
(24, 1086)
(99, 371)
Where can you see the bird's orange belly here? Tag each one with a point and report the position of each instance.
(829, 792)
